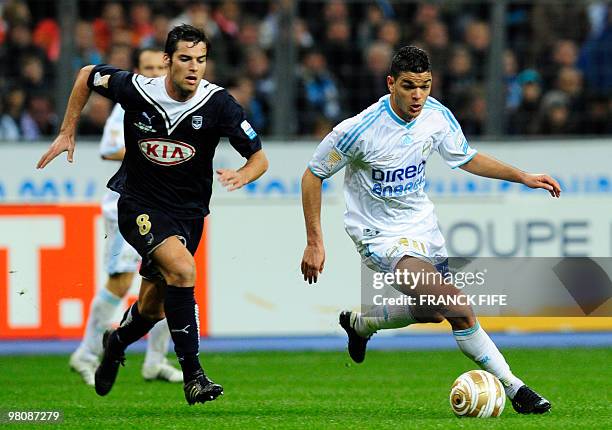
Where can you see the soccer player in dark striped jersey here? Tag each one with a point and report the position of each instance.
(172, 126)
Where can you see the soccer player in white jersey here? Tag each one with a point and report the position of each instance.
(121, 261)
(392, 221)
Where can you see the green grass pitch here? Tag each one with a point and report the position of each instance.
(399, 389)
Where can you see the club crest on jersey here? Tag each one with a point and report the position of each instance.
(166, 152)
(332, 160)
(196, 122)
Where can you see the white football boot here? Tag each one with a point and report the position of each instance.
(163, 371)
(84, 364)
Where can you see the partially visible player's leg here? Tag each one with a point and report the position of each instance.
(472, 340)
(382, 317)
(104, 305)
(361, 326)
(140, 318)
(120, 261)
(156, 365)
(470, 337)
(137, 321)
(178, 268)
(476, 344)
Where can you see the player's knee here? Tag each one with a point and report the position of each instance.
(182, 273)
(118, 284)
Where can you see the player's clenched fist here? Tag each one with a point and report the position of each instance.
(61, 144)
(313, 262)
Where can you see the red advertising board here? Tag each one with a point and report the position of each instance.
(48, 260)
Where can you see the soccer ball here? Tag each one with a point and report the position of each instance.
(477, 394)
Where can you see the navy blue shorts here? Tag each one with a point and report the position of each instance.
(145, 228)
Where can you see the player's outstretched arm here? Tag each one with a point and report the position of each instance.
(314, 254)
(65, 138)
(489, 167)
(256, 165)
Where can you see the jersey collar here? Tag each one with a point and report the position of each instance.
(395, 117)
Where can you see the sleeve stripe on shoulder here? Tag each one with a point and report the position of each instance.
(353, 134)
(315, 173)
(354, 128)
(466, 160)
(436, 105)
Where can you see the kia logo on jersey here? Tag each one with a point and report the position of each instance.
(166, 152)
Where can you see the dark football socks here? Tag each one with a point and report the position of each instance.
(133, 327)
(182, 316)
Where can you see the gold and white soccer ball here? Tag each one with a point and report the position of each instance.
(477, 394)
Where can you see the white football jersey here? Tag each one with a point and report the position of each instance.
(112, 141)
(385, 159)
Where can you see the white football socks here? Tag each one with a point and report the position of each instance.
(157, 343)
(102, 309)
(476, 344)
(382, 317)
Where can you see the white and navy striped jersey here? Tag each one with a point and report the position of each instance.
(170, 144)
(385, 160)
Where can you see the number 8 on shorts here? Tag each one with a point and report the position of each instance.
(143, 223)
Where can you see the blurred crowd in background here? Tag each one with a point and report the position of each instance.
(557, 62)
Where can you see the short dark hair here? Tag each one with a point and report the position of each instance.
(188, 33)
(409, 59)
(136, 53)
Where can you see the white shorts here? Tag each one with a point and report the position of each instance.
(119, 256)
(382, 254)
